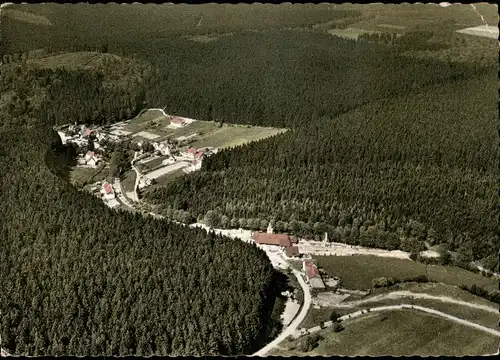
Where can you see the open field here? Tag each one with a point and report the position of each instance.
(483, 30)
(167, 170)
(384, 296)
(141, 121)
(201, 133)
(150, 165)
(351, 32)
(229, 136)
(358, 271)
(165, 180)
(80, 175)
(316, 316)
(26, 17)
(399, 333)
(128, 181)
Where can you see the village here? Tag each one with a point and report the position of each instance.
(156, 155)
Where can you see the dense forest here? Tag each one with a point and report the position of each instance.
(79, 278)
(384, 150)
(380, 141)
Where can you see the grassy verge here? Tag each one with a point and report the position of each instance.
(128, 181)
(399, 333)
(358, 271)
(316, 316)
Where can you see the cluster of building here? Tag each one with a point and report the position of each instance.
(288, 244)
(81, 135)
(285, 242)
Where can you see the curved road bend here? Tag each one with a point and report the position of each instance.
(292, 327)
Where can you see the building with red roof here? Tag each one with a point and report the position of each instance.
(292, 251)
(263, 238)
(191, 152)
(109, 193)
(312, 274)
(87, 132)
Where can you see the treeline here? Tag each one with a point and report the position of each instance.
(81, 279)
(391, 174)
(493, 296)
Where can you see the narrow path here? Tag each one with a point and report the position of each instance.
(401, 294)
(290, 329)
(414, 307)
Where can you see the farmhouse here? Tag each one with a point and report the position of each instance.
(109, 193)
(312, 275)
(282, 240)
(177, 122)
(91, 158)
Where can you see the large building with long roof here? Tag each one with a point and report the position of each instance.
(312, 274)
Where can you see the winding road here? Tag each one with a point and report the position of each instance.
(290, 329)
(414, 307)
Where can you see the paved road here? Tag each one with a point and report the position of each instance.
(291, 329)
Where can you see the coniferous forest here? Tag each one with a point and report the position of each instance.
(79, 278)
(383, 150)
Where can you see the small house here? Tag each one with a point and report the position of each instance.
(109, 193)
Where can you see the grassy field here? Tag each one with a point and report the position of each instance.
(230, 136)
(399, 333)
(358, 271)
(207, 133)
(128, 181)
(197, 127)
(316, 316)
(351, 33)
(141, 121)
(80, 175)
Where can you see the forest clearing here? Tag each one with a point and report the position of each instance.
(358, 271)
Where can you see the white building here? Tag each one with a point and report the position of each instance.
(109, 193)
(168, 161)
(162, 148)
(196, 165)
(144, 182)
(91, 158)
